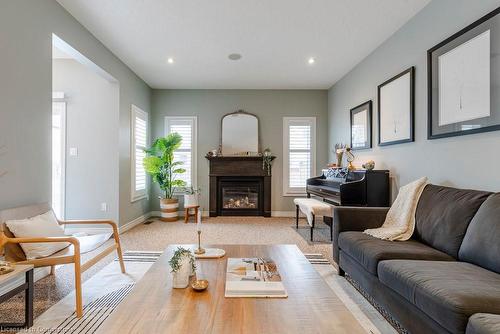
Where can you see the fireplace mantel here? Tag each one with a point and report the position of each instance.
(224, 168)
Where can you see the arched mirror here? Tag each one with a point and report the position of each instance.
(240, 134)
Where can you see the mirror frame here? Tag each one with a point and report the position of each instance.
(242, 112)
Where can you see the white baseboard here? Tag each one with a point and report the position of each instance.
(282, 213)
(134, 223)
(107, 229)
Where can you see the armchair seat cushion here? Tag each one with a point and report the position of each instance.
(368, 251)
(449, 292)
(43, 225)
(87, 244)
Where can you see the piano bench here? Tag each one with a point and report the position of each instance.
(311, 208)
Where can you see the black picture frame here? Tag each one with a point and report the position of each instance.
(490, 21)
(360, 108)
(411, 108)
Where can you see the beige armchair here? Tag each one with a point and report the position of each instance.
(72, 254)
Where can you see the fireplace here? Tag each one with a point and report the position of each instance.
(240, 196)
(239, 186)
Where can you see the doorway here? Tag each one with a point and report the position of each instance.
(58, 154)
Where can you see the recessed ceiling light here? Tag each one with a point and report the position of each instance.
(234, 56)
(170, 60)
(311, 61)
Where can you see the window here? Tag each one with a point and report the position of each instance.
(187, 128)
(299, 150)
(139, 136)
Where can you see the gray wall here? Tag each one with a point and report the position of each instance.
(92, 120)
(269, 105)
(460, 161)
(26, 29)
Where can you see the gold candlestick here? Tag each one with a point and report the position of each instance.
(199, 250)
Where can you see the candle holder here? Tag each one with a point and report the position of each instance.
(199, 250)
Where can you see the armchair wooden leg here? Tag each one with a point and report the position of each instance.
(78, 284)
(119, 249)
(52, 269)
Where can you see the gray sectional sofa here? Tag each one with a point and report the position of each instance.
(446, 278)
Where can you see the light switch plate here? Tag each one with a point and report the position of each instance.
(73, 151)
(104, 206)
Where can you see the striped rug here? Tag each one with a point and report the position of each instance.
(98, 310)
(140, 256)
(317, 259)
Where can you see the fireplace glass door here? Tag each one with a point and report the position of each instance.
(242, 197)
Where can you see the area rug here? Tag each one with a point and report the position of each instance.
(321, 233)
(106, 289)
(101, 294)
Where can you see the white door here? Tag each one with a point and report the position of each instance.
(58, 157)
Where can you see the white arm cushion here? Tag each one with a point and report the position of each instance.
(44, 225)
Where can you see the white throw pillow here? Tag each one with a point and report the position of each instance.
(44, 225)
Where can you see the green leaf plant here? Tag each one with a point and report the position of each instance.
(159, 163)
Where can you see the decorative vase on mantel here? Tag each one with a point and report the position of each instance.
(169, 209)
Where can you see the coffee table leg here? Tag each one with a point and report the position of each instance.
(28, 299)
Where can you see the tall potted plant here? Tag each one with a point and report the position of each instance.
(159, 163)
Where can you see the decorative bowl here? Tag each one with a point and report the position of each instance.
(6, 267)
(199, 284)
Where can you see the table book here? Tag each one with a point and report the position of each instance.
(253, 278)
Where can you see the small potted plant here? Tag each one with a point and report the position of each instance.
(160, 164)
(267, 161)
(183, 266)
(191, 197)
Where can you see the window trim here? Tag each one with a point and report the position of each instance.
(194, 148)
(289, 191)
(141, 194)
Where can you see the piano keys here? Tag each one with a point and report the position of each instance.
(340, 186)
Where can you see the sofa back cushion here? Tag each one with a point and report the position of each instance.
(443, 215)
(481, 243)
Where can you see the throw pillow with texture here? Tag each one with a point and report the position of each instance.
(44, 225)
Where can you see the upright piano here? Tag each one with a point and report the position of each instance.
(340, 186)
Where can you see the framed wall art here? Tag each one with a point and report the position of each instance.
(464, 81)
(396, 99)
(361, 126)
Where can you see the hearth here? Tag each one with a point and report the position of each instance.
(240, 196)
(239, 186)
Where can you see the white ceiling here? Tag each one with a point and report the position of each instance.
(275, 38)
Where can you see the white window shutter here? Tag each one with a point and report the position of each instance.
(186, 127)
(139, 138)
(299, 135)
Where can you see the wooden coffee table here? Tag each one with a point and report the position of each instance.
(154, 307)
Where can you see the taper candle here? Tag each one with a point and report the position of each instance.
(198, 223)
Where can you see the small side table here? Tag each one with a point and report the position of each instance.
(27, 286)
(187, 213)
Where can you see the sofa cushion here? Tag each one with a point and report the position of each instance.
(481, 244)
(448, 292)
(368, 250)
(484, 323)
(443, 215)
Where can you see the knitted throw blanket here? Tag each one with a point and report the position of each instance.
(400, 220)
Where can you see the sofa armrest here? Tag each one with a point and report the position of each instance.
(347, 218)
(483, 323)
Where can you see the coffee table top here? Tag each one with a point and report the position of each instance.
(154, 307)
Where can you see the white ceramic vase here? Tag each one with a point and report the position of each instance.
(191, 200)
(181, 276)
